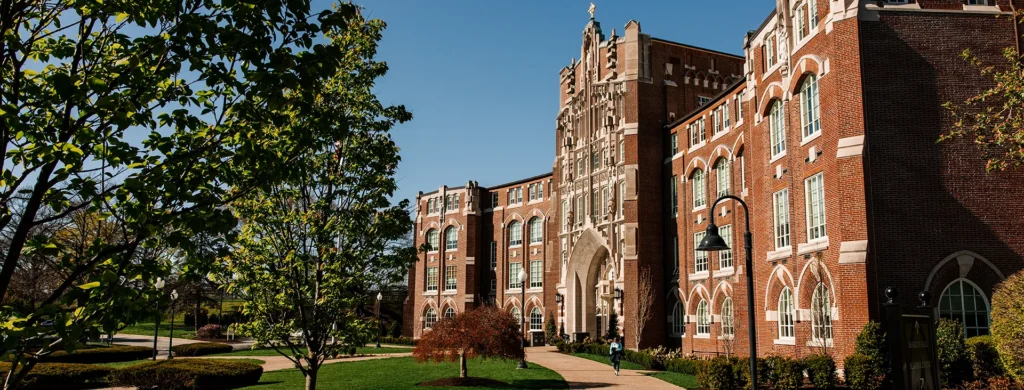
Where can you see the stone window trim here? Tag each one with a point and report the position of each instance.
(780, 253)
(815, 245)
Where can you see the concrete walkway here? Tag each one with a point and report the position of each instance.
(163, 342)
(587, 374)
(275, 363)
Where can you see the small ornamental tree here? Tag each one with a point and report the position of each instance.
(550, 330)
(486, 332)
(613, 327)
(1008, 324)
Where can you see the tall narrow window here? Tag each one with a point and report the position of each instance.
(513, 275)
(725, 256)
(778, 129)
(675, 144)
(540, 190)
(536, 230)
(494, 255)
(716, 123)
(701, 131)
(674, 196)
(781, 207)
(728, 319)
(606, 196)
(430, 318)
(821, 314)
(725, 113)
(536, 274)
(579, 209)
(699, 189)
(595, 161)
(515, 233)
(769, 51)
(494, 200)
(703, 318)
(722, 169)
(622, 151)
(595, 201)
(565, 215)
(581, 169)
(700, 258)
(433, 240)
(451, 238)
(743, 170)
(962, 301)
(622, 199)
(814, 196)
(536, 320)
(739, 108)
(800, 24)
(812, 14)
(519, 194)
(565, 261)
(678, 319)
(810, 117)
(431, 278)
(675, 255)
(494, 286)
(450, 279)
(786, 327)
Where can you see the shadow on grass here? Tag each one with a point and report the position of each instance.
(488, 383)
(268, 383)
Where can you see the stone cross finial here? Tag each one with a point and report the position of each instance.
(591, 10)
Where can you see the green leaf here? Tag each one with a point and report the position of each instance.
(89, 285)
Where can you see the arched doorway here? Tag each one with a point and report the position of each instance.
(588, 260)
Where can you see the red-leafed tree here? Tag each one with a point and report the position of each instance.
(486, 332)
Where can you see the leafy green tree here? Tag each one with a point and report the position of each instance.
(954, 357)
(310, 247)
(150, 116)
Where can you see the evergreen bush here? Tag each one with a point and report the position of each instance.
(954, 359)
(1008, 324)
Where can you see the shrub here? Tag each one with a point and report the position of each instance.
(550, 330)
(190, 318)
(99, 355)
(996, 382)
(399, 340)
(63, 376)
(200, 349)
(984, 357)
(741, 371)
(788, 373)
(871, 343)
(954, 361)
(1008, 324)
(613, 327)
(395, 330)
(683, 365)
(821, 370)
(188, 374)
(717, 374)
(661, 355)
(863, 372)
(211, 331)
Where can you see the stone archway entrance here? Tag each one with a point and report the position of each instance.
(585, 267)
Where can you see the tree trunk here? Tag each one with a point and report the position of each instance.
(311, 377)
(462, 365)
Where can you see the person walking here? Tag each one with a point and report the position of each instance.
(615, 352)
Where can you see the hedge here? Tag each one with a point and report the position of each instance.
(984, 357)
(863, 372)
(187, 374)
(399, 341)
(821, 370)
(201, 349)
(1008, 324)
(954, 357)
(63, 376)
(99, 355)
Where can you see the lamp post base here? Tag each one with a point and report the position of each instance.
(522, 364)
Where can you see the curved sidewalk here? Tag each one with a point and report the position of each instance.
(586, 374)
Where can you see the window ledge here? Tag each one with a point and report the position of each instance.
(535, 290)
(791, 341)
(810, 138)
(722, 272)
(699, 208)
(702, 336)
(982, 8)
(430, 293)
(537, 243)
(515, 290)
(450, 292)
(515, 246)
(697, 146)
(780, 253)
(719, 134)
(817, 343)
(818, 244)
(777, 157)
(513, 205)
(729, 337)
(535, 201)
(698, 275)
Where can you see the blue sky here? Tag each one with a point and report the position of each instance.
(481, 77)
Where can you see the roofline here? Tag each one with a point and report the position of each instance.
(696, 47)
(541, 176)
(435, 191)
(691, 114)
(765, 22)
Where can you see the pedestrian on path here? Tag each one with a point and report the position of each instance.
(615, 352)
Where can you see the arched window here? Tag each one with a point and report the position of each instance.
(810, 119)
(778, 129)
(678, 325)
(703, 318)
(963, 301)
(536, 230)
(786, 327)
(821, 314)
(451, 238)
(699, 189)
(724, 179)
(515, 233)
(449, 313)
(728, 319)
(430, 318)
(432, 239)
(517, 314)
(536, 319)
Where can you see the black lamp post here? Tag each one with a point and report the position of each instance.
(713, 242)
(522, 317)
(156, 332)
(379, 297)
(170, 343)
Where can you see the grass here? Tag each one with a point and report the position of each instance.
(405, 373)
(675, 378)
(134, 362)
(146, 329)
(604, 359)
(272, 352)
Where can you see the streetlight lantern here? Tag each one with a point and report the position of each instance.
(379, 298)
(170, 342)
(713, 242)
(159, 285)
(522, 317)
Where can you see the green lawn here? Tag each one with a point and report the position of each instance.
(272, 352)
(146, 328)
(604, 359)
(675, 378)
(405, 373)
(134, 362)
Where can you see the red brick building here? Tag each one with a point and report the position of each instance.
(826, 127)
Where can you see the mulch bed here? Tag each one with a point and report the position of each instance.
(222, 341)
(465, 382)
